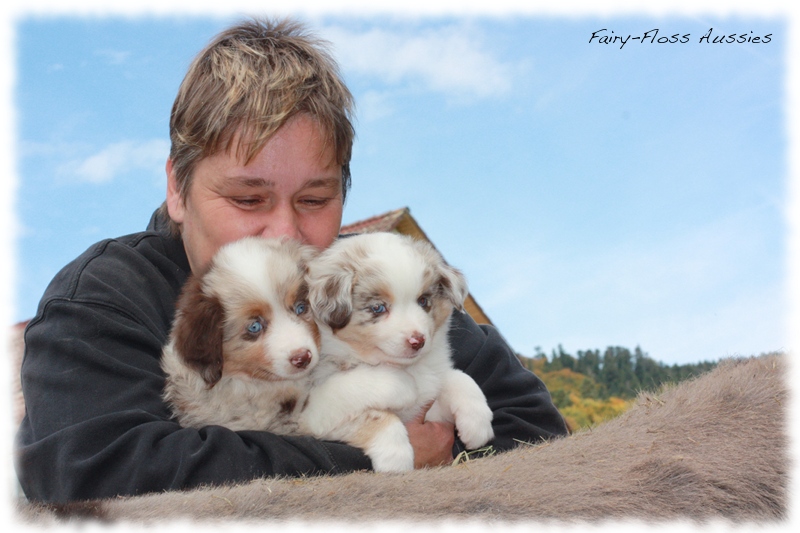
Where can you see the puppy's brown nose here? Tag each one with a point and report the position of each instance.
(301, 358)
(417, 341)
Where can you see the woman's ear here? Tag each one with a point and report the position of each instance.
(176, 204)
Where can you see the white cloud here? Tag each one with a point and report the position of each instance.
(374, 105)
(113, 57)
(119, 158)
(450, 60)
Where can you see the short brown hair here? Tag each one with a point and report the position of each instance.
(247, 82)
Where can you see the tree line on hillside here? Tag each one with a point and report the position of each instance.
(617, 372)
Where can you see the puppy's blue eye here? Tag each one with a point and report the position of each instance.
(300, 308)
(255, 327)
(424, 301)
(378, 309)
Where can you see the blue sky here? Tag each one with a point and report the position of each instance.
(593, 195)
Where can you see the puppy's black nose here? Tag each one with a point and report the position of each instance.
(301, 358)
(417, 341)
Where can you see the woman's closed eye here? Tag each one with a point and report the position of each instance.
(314, 202)
(248, 202)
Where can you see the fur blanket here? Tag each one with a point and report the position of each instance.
(711, 448)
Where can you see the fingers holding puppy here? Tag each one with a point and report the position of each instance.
(432, 441)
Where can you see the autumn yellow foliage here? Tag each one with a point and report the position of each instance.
(587, 412)
(596, 386)
(577, 398)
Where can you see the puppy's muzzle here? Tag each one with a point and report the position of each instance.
(416, 341)
(301, 358)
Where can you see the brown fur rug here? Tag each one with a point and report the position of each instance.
(711, 448)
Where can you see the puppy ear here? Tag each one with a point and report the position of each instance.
(330, 296)
(453, 285)
(198, 331)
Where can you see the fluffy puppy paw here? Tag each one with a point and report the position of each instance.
(474, 425)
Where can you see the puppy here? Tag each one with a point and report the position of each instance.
(383, 304)
(243, 342)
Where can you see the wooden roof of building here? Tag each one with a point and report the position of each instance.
(401, 221)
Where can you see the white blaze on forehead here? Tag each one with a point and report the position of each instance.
(260, 270)
(400, 263)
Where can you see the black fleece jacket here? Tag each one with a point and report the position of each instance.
(96, 425)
